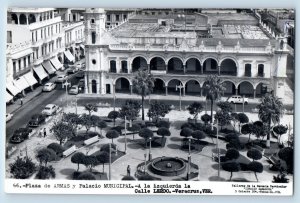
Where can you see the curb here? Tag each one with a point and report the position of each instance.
(38, 94)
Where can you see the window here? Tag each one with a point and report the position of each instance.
(28, 60)
(117, 17)
(19, 64)
(32, 37)
(14, 68)
(260, 72)
(94, 61)
(36, 35)
(248, 70)
(108, 18)
(107, 23)
(24, 62)
(124, 66)
(9, 37)
(93, 37)
(113, 68)
(41, 33)
(125, 17)
(92, 21)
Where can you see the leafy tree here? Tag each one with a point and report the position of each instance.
(95, 120)
(134, 128)
(22, 168)
(45, 172)
(214, 88)
(280, 130)
(143, 84)
(158, 110)
(163, 132)
(103, 158)
(198, 135)
(186, 125)
(232, 154)
(146, 134)
(225, 106)
(195, 109)
(287, 155)
(71, 118)
(211, 132)
(186, 132)
(247, 129)
(146, 177)
(223, 118)
(57, 148)
(112, 134)
(86, 176)
(86, 121)
(113, 115)
(205, 118)
(108, 148)
(231, 166)
(62, 131)
(242, 118)
(90, 162)
(78, 158)
(270, 110)
(101, 124)
(254, 154)
(131, 109)
(91, 108)
(233, 141)
(164, 124)
(255, 167)
(45, 155)
(259, 129)
(118, 129)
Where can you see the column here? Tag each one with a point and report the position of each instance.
(86, 84)
(200, 92)
(236, 90)
(130, 89)
(148, 66)
(184, 69)
(183, 91)
(254, 93)
(166, 90)
(219, 70)
(27, 21)
(166, 68)
(201, 70)
(18, 18)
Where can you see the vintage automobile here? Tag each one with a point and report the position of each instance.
(36, 120)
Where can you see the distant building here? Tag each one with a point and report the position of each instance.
(182, 48)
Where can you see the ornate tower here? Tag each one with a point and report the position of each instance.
(94, 31)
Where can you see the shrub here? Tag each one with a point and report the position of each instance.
(112, 134)
(78, 158)
(164, 124)
(105, 147)
(45, 172)
(287, 154)
(22, 168)
(205, 118)
(186, 132)
(86, 176)
(254, 154)
(232, 154)
(231, 167)
(45, 155)
(57, 148)
(256, 167)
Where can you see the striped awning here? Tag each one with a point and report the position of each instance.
(30, 78)
(49, 68)
(69, 56)
(12, 89)
(8, 97)
(41, 73)
(55, 62)
(21, 83)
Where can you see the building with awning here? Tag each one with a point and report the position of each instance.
(8, 97)
(69, 56)
(48, 67)
(55, 62)
(41, 73)
(12, 89)
(30, 78)
(21, 83)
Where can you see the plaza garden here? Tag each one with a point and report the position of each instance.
(161, 143)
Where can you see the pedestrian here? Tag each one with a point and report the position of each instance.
(45, 132)
(21, 100)
(128, 170)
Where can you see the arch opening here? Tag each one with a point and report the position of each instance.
(122, 85)
(246, 88)
(228, 67)
(210, 66)
(192, 87)
(172, 86)
(193, 66)
(175, 66)
(139, 63)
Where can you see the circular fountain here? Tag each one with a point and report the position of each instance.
(168, 166)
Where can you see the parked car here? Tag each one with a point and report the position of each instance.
(36, 120)
(236, 99)
(81, 83)
(61, 78)
(8, 117)
(74, 89)
(49, 86)
(50, 109)
(72, 70)
(20, 135)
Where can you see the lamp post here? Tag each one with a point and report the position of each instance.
(189, 161)
(243, 103)
(145, 161)
(150, 154)
(114, 100)
(179, 87)
(218, 149)
(125, 135)
(109, 167)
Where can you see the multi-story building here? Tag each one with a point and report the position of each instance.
(38, 44)
(184, 49)
(115, 17)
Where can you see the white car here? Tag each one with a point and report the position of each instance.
(8, 117)
(50, 109)
(61, 78)
(236, 99)
(49, 86)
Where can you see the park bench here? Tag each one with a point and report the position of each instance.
(91, 140)
(259, 148)
(69, 151)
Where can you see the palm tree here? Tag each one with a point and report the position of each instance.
(143, 84)
(270, 110)
(214, 89)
